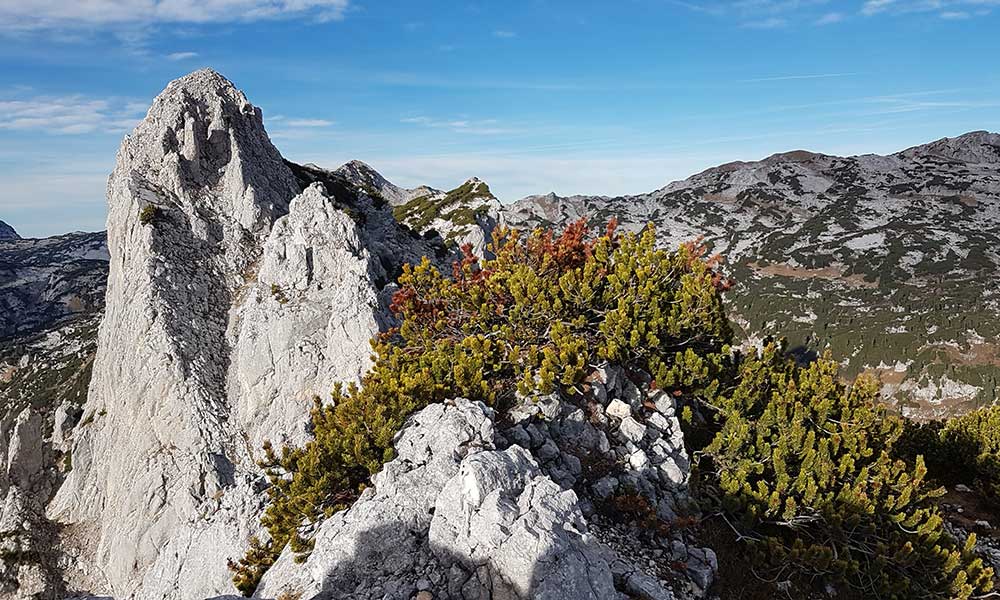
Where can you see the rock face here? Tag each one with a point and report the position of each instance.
(457, 517)
(27, 552)
(210, 288)
(306, 323)
(517, 532)
(51, 296)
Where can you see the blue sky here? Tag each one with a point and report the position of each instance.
(582, 96)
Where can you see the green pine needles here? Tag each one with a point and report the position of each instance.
(964, 449)
(536, 318)
(802, 467)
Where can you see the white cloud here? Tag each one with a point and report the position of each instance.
(473, 127)
(872, 7)
(759, 14)
(68, 115)
(182, 56)
(830, 18)
(308, 123)
(503, 33)
(947, 9)
(298, 128)
(794, 77)
(19, 15)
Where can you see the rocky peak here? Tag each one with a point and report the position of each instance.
(7, 232)
(978, 147)
(372, 182)
(204, 145)
(202, 336)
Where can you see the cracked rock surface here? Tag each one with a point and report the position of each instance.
(455, 517)
(233, 298)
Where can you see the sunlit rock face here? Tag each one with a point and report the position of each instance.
(232, 300)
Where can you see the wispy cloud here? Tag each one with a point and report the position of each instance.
(297, 128)
(946, 9)
(473, 127)
(504, 34)
(69, 115)
(794, 77)
(903, 103)
(308, 123)
(760, 14)
(177, 56)
(873, 7)
(774, 14)
(17, 15)
(830, 18)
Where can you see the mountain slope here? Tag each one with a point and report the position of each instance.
(890, 262)
(7, 232)
(51, 300)
(241, 287)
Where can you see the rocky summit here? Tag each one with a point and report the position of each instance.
(7, 232)
(144, 370)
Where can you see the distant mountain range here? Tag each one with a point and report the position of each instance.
(889, 262)
(142, 371)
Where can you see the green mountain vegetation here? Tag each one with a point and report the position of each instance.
(814, 476)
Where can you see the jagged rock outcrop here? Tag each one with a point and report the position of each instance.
(372, 182)
(7, 232)
(306, 323)
(27, 553)
(517, 532)
(459, 518)
(51, 295)
(197, 350)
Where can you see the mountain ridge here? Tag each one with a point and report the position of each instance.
(7, 232)
(242, 285)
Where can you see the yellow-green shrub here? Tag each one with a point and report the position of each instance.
(535, 318)
(803, 467)
(963, 449)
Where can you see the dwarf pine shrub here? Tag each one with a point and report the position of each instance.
(974, 440)
(963, 449)
(534, 319)
(802, 467)
(149, 214)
